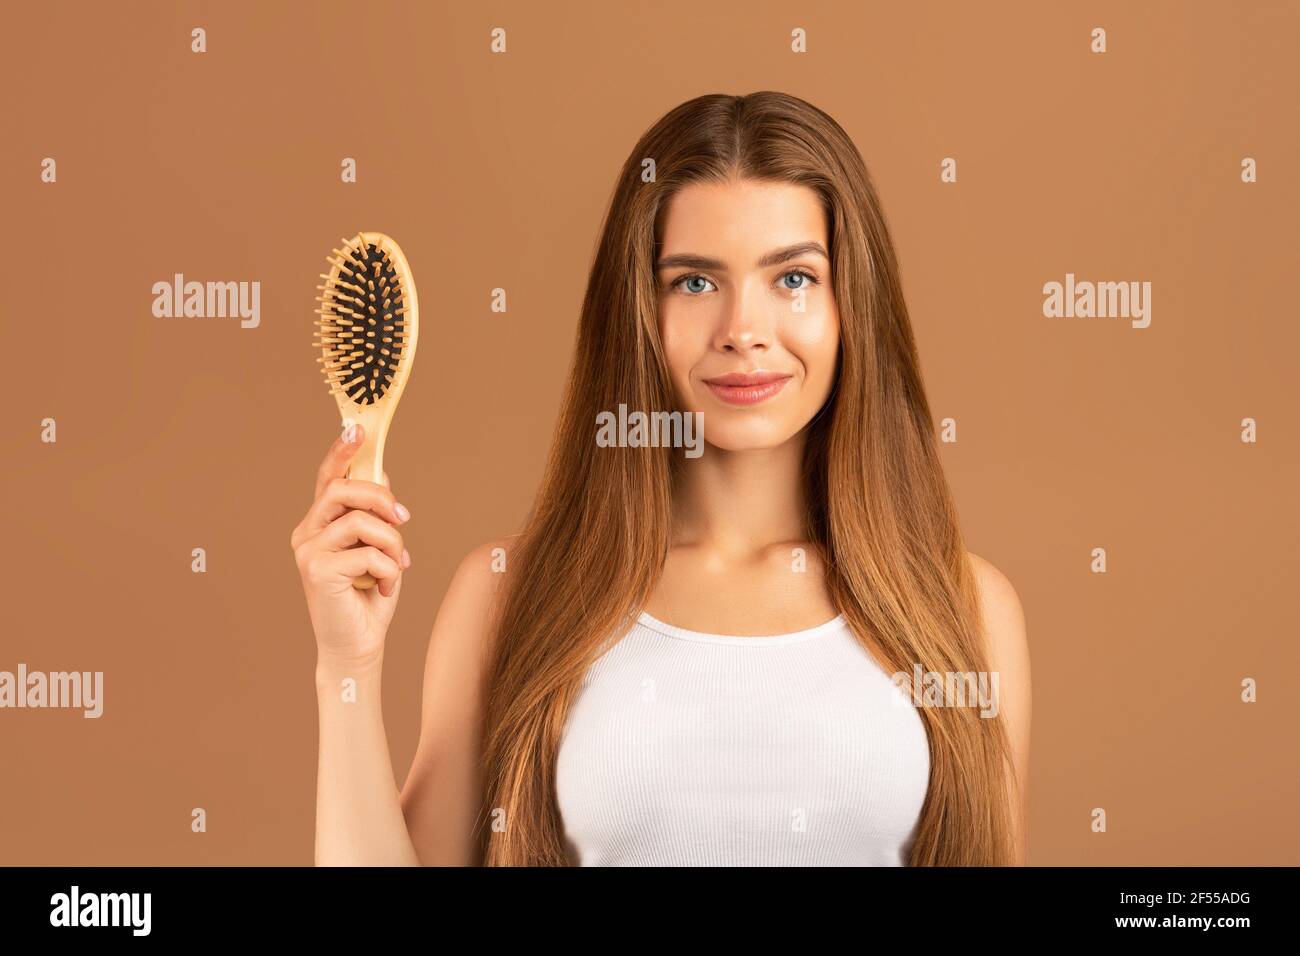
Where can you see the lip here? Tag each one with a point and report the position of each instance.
(747, 388)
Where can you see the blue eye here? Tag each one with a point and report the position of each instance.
(692, 279)
(809, 278)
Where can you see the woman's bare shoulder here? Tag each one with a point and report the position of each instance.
(474, 596)
(1003, 621)
(484, 567)
(999, 601)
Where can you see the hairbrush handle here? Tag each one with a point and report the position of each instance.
(368, 465)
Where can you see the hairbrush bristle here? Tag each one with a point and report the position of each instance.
(361, 330)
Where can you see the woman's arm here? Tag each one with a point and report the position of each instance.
(443, 791)
(1004, 627)
(361, 817)
(358, 819)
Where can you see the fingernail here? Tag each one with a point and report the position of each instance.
(402, 512)
(350, 434)
(406, 558)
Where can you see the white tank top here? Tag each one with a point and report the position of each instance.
(692, 749)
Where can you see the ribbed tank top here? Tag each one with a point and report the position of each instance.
(685, 748)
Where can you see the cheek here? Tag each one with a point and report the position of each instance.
(816, 344)
(682, 345)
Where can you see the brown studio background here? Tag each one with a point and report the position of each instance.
(495, 171)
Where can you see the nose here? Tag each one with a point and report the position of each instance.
(745, 324)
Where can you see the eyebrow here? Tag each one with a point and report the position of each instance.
(776, 257)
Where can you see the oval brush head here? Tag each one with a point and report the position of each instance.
(369, 319)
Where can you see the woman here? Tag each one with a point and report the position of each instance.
(683, 659)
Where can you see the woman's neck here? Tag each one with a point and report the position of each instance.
(738, 503)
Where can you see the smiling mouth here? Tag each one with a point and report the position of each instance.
(747, 389)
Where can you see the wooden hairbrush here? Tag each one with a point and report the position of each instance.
(367, 328)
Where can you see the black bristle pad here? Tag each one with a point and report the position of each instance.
(371, 266)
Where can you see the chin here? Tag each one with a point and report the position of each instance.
(743, 436)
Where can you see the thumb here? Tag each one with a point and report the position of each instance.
(392, 594)
(386, 482)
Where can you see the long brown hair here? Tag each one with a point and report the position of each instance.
(880, 509)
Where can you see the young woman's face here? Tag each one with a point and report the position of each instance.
(746, 310)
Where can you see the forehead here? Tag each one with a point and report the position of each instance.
(741, 219)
